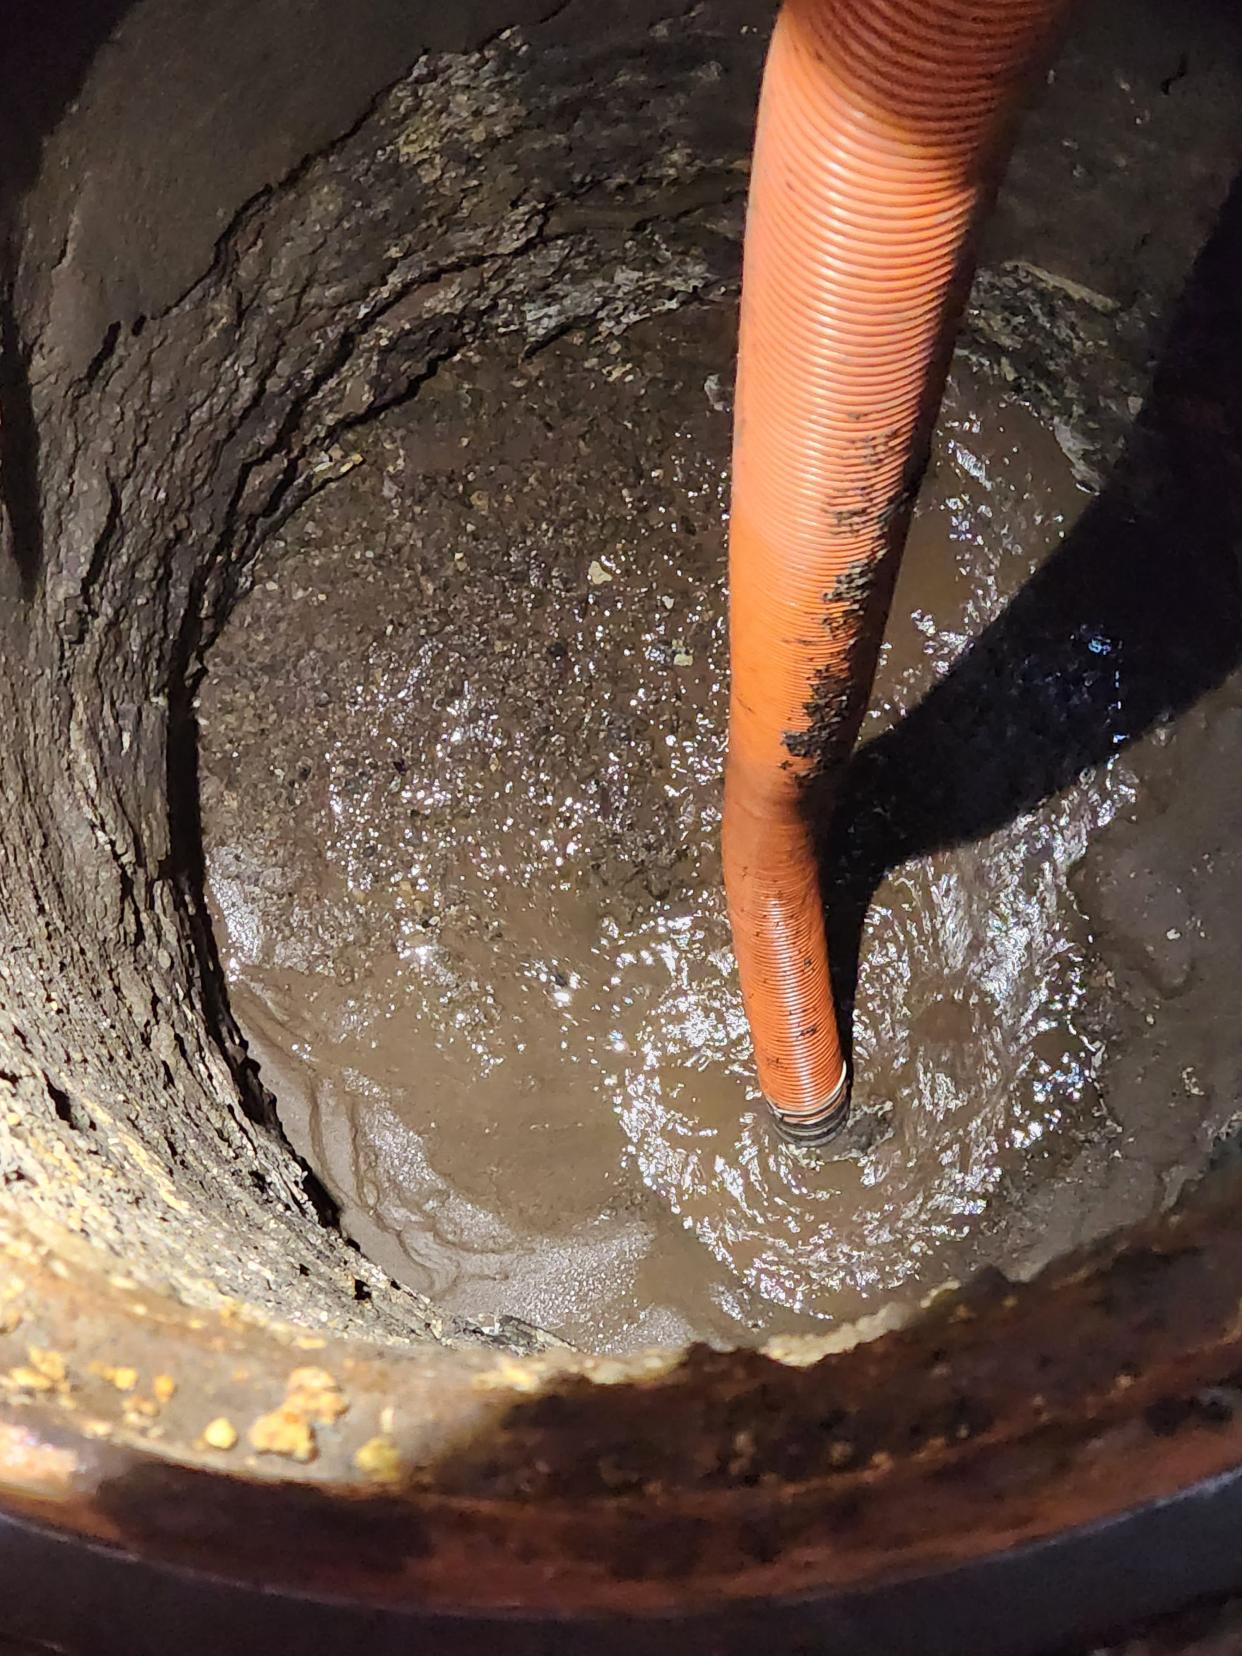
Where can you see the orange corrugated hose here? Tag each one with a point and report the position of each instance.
(881, 124)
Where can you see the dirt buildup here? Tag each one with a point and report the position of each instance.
(462, 750)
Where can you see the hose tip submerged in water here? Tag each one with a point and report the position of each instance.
(881, 127)
(812, 1130)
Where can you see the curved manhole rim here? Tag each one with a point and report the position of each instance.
(473, 1481)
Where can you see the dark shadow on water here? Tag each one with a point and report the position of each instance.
(1134, 617)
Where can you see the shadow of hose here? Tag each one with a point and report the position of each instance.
(1136, 616)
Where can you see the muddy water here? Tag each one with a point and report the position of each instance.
(461, 760)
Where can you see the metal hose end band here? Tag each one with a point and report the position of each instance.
(810, 1129)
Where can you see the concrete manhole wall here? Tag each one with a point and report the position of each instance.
(326, 299)
(205, 290)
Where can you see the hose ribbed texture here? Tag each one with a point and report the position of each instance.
(879, 125)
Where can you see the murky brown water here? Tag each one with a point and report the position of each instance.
(461, 757)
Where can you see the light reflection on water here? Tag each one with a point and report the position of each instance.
(549, 984)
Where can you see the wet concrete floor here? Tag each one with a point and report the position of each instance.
(461, 753)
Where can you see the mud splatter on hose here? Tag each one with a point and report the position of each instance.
(881, 127)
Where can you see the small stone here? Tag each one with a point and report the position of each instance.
(311, 1395)
(220, 1433)
(119, 1375)
(378, 1460)
(284, 1432)
(314, 1392)
(50, 1364)
(683, 658)
(164, 1387)
(667, 602)
(597, 574)
(29, 1379)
